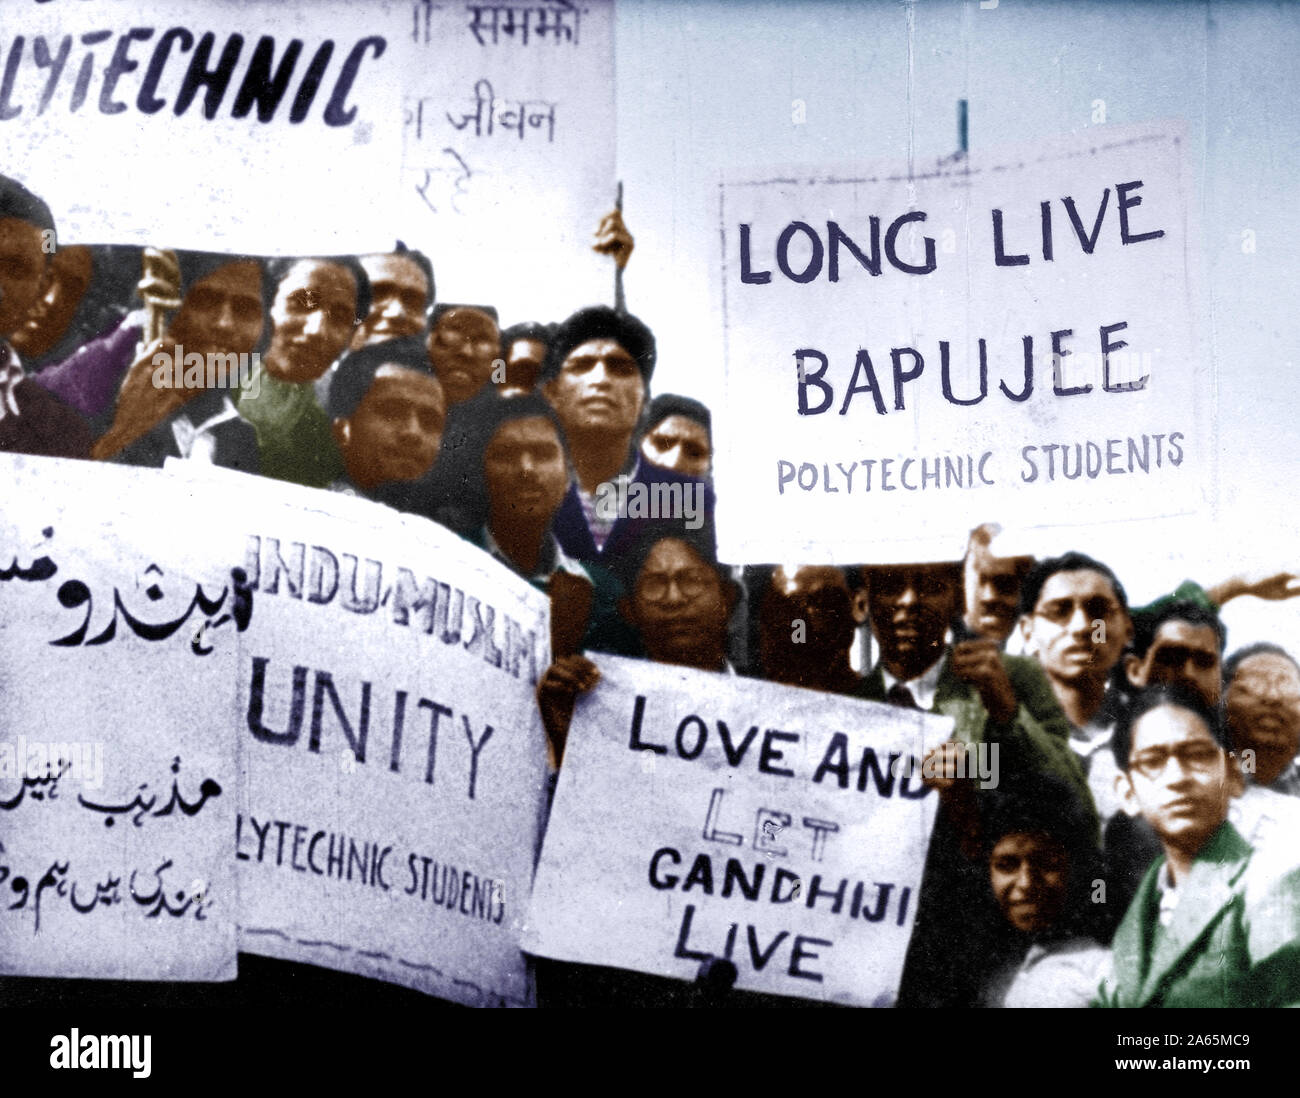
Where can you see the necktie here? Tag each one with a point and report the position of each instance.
(901, 696)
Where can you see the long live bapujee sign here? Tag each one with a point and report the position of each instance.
(910, 354)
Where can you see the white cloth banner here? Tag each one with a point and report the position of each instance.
(698, 814)
(229, 125)
(118, 754)
(1009, 337)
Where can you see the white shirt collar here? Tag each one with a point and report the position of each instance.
(923, 687)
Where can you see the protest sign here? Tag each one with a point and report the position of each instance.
(393, 759)
(246, 127)
(509, 150)
(909, 353)
(118, 769)
(782, 828)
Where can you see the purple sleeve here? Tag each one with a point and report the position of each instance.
(89, 378)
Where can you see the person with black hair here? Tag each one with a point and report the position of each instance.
(317, 306)
(388, 414)
(1215, 922)
(68, 277)
(32, 419)
(223, 314)
(1262, 708)
(1178, 642)
(512, 472)
(807, 619)
(994, 699)
(597, 376)
(401, 296)
(678, 598)
(1045, 947)
(523, 347)
(678, 435)
(464, 343)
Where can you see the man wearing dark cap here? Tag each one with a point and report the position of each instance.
(678, 435)
(32, 420)
(388, 415)
(597, 377)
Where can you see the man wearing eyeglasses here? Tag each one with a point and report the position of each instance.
(1215, 922)
(679, 601)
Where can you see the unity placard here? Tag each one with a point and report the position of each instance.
(1009, 335)
(701, 815)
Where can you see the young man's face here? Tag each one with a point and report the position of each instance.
(396, 431)
(912, 607)
(22, 271)
(524, 359)
(48, 318)
(679, 606)
(525, 471)
(598, 389)
(1182, 654)
(222, 313)
(681, 444)
(399, 296)
(1263, 705)
(1078, 628)
(1177, 778)
(312, 319)
(993, 594)
(1029, 873)
(462, 347)
(806, 621)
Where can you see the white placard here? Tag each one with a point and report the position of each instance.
(509, 152)
(253, 127)
(118, 755)
(700, 814)
(1013, 335)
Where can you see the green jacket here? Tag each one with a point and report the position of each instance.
(1234, 939)
(293, 431)
(1037, 739)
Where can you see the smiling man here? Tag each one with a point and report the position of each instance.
(1214, 922)
(464, 342)
(401, 293)
(993, 698)
(313, 315)
(223, 312)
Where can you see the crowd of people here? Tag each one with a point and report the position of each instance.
(1094, 871)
